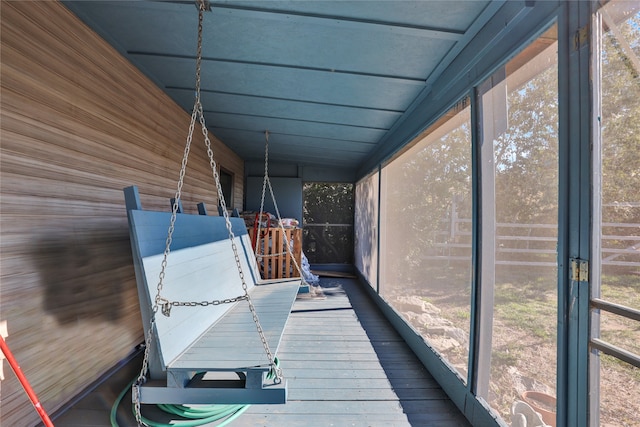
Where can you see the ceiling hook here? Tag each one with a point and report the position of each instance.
(203, 5)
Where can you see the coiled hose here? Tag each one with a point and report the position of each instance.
(192, 415)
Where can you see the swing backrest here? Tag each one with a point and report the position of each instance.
(201, 267)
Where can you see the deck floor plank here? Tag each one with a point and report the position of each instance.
(345, 366)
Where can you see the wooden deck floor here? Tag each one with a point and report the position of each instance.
(345, 366)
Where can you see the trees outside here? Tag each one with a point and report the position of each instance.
(328, 210)
(620, 131)
(425, 253)
(426, 213)
(519, 207)
(526, 154)
(426, 189)
(618, 176)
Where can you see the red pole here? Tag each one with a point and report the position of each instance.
(25, 384)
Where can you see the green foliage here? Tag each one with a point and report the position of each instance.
(527, 306)
(620, 122)
(328, 203)
(424, 187)
(505, 357)
(462, 314)
(526, 154)
(621, 288)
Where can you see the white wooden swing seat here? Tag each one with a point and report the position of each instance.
(193, 348)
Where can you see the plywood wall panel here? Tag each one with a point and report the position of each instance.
(78, 124)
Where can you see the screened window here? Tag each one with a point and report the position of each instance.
(366, 228)
(517, 352)
(615, 383)
(425, 246)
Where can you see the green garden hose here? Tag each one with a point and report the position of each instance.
(193, 415)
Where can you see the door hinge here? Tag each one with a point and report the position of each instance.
(579, 270)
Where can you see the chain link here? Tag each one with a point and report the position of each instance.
(264, 188)
(142, 378)
(267, 183)
(225, 214)
(166, 307)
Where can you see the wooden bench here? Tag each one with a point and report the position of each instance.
(205, 354)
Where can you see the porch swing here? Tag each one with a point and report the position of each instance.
(204, 351)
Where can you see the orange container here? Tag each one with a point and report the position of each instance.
(542, 403)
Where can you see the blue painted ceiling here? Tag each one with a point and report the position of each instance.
(330, 80)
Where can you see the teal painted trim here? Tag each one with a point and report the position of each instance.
(487, 14)
(515, 24)
(132, 198)
(563, 284)
(485, 299)
(202, 209)
(575, 107)
(513, 13)
(585, 209)
(474, 325)
(583, 385)
(379, 222)
(574, 212)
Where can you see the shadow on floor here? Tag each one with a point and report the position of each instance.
(420, 396)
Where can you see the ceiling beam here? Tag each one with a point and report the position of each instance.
(409, 80)
(341, 21)
(275, 98)
(261, 116)
(271, 132)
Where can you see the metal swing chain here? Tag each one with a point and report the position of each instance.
(163, 302)
(158, 298)
(197, 113)
(277, 371)
(275, 205)
(264, 186)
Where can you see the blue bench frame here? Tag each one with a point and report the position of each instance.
(193, 348)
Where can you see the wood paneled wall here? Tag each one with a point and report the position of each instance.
(78, 124)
